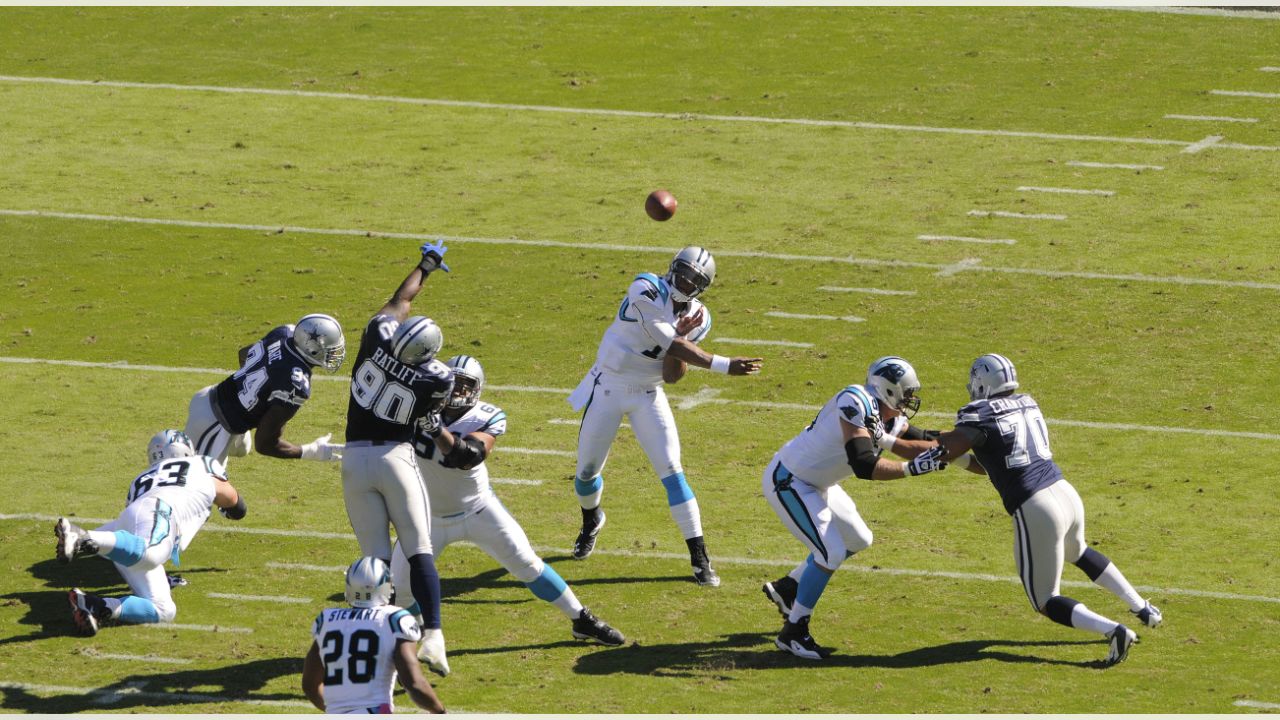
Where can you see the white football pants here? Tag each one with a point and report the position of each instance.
(826, 520)
(381, 485)
(204, 429)
(651, 421)
(147, 578)
(1048, 530)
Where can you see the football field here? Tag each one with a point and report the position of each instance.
(1090, 193)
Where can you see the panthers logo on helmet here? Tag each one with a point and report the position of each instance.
(891, 371)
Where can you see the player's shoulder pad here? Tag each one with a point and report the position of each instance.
(279, 332)
(494, 419)
(215, 468)
(651, 287)
(856, 405)
(975, 412)
(404, 626)
(318, 625)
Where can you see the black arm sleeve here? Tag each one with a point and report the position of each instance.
(237, 511)
(915, 433)
(862, 457)
(467, 453)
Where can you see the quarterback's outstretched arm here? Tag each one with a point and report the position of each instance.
(686, 351)
(400, 302)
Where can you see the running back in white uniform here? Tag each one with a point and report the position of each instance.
(357, 647)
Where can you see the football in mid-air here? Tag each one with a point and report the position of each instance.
(660, 205)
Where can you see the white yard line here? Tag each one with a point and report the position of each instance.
(515, 481)
(775, 343)
(575, 422)
(1269, 68)
(198, 628)
(534, 451)
(111, 696)
(779, 562)
(963, 239)
(667, 251)
(1246, 93)
(868, 291)
(1257, 704)
(1065, 191)
(95, 655)
(702, 397)
(508, 107)
(1018, 215)
(959, 267)
(261, 598)
(1211, 118)
(1115, 166)
(805, 407)
(1205, 143)
(1216, 12)
(804, 316)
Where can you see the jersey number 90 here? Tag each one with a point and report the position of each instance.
(390, 401)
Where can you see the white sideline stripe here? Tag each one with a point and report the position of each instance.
(667, 251)
(514, 481)
(1065, 191)
(1257, 704)
(1246, 93)
(732, 561)
(198, 628)
(1023, 216)
(1269, 68)
(1117, 166)
(803, 316)
(869, 291)
(588, 111)
(777, 343)
(110, 696)
(806, 407)
(536, 451)
(1211, 118)
(1217, 12)
(961, 238)
(260, 598)
(95, 655)
(1205, 143)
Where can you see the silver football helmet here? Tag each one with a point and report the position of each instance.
(368, 583)
(468, 382)
(319, 339)
(692, 271)
(168, 444)
(991, 375)
(417, 340)
(894, 383)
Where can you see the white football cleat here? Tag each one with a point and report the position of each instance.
(431, 651)
(73, 541)
(240, 445)
(1149, 615)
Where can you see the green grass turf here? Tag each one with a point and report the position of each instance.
(1185, 511)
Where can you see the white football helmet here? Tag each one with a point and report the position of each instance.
(991, 375)
(369, 583)
(468, 382)
(417, 340)
(319, 339)
(168, 444)
(894, 383)
(692, 271)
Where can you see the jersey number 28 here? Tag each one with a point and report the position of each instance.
(361, 651)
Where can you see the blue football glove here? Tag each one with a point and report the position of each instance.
(433, 257)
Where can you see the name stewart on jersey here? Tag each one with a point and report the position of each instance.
(273, 373)
(388, 396)
(1012, 443)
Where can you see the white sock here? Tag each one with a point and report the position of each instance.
(798, 570)
(798, 612)
(106, 541)
(568, 604)
(688, 518)
(1085, 619)
(1112, 579)
(113, 604)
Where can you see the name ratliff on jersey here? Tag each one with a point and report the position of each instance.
(387, 396)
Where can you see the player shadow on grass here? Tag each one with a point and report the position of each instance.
(741, 651)
(231, 683)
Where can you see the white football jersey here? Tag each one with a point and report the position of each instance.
(817, 455)
(356, 648)
(188, 485)
(633, 347)
(454, 491)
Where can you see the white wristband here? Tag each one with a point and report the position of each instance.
(887, 441)
(720, 364)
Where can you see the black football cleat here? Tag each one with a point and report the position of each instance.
(590, 627)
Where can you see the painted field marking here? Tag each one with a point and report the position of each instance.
(1205, 143)
(804, 407)
(959, 267)
(728, 560)
(803, 316)
(961, 238)
(1168, 10)
(261, 598)
(535, 451)
(1246, 93)
(110, 696)
(868, 291)
(776, 343)
(199, 628)
(1065, 191)
(702, 397)
(1211, 118)
(1020, 216)
(1116, 166)
(1269, 68)
(1257, 704)
(507, 107)
(666, 251)
(514, 481)
(94, 654)
(576, 422)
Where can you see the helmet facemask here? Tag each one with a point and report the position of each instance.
(687, 282)
(466, 392)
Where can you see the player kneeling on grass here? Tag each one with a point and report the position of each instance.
(453, 446)
(358, 651)
(166, 506)
(802, 486)
(1008, 436)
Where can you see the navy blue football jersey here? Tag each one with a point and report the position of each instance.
(273, 374)
(1013, 446)
(387, 396)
